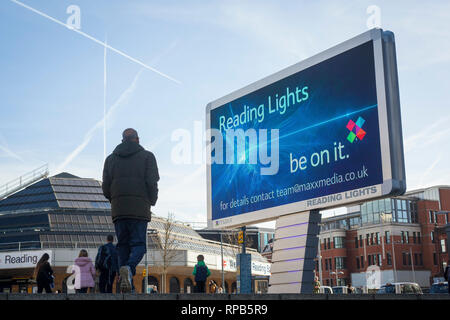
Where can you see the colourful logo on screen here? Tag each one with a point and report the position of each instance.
(356, 131)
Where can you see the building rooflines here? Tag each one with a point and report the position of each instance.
(443, 186)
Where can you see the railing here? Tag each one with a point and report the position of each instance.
(23, 181)
(33, 245)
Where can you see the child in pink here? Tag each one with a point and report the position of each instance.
(84, 272)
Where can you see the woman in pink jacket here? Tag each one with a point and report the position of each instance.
(84, 273)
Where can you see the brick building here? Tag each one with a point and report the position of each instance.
(402, 237)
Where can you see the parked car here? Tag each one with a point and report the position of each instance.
(400, 288)
(326, 289)
(440, 287)
(340, 290)
(358, 290)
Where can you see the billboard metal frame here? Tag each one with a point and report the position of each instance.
(390, 129)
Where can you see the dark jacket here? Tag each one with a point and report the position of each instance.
(44, 274)
(130, 181)
(104, 251)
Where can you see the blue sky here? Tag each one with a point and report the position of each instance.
(51, 78)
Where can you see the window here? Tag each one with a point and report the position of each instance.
(356, 243)
(418, 238)
(443, 248)
(432, 236)
(367, 239)
(377, 238)
(388, 259)
(339, 263)
(435, 259)
(431, 216)
(339, 242)
(387, 237)
(362, 262)
(369, 260)
(414, 237)
(357, 263)
(361, 241)
(404, 258)
(405, 237)
(326, 264)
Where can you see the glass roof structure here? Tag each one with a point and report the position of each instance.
(60, 191)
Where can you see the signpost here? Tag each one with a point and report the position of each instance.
(323, 133)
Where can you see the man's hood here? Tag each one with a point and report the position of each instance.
(127, 148)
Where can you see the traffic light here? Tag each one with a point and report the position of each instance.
(144, 272)
(241, 237)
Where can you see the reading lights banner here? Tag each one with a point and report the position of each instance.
(313, 136)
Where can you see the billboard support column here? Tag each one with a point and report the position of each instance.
(294, 251)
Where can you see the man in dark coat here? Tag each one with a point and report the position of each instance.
(130, 183)
(107, 263)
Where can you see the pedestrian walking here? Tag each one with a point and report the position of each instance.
(130, 183)
(201, 273)
(43, 274)
(107, 264)
(84, 273)
(447, 275)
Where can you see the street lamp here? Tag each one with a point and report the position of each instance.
(337, 273)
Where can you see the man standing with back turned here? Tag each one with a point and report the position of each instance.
(130, 183)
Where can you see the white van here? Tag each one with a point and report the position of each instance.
(326, 290)
(340, 289)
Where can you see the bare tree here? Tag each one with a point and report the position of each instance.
(164, 242)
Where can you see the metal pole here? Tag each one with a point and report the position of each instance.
(221, 254)
(243, 239)
(146, 263)
(393, 258)
(320, 264)
(412, 264)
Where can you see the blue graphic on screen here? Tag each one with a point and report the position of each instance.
(323, 121)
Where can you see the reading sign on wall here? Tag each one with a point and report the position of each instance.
(22, 259)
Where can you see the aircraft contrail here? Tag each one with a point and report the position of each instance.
(88, 136)
(95, 40)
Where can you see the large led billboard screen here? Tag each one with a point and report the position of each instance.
(323, 133)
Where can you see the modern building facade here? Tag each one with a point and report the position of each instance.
(63, 214)
(388, 240)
